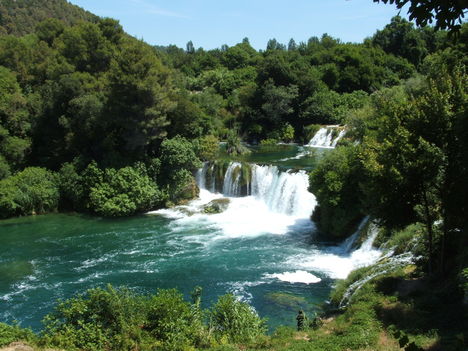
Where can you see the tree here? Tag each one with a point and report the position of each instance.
(138, 104)
(292, 46)
(401, 39)
(190, 49)
(447, 13)
(15, 122)
(335, 183)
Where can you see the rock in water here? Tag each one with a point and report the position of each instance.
(216, 206)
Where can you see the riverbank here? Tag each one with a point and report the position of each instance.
(396, 311)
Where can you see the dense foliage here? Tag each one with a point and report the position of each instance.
(118, 319)
(408, 163)
(20, 17)
(77, 91)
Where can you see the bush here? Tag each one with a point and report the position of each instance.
(268, 142)
(34, 190)
(207, 147)
(100, 319)
(171, 320)
(11, 333)
(236, 320)
(124, 192)
(178, 153)
(407, 240)
(287, 133)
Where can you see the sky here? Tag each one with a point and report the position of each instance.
(212, 23)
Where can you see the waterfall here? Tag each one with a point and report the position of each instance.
(324, 137)
(386, 264)
(350, 242)
(231, 184)
(282, 191)
(340, 135)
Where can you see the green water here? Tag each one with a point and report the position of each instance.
(46, 258)
(285, 156)
(51, 257)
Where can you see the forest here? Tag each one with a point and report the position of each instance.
(95, 121)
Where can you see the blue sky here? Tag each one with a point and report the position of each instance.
(212, 23)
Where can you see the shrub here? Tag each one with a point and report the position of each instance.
(236, 320)
(268, 142)
(11, 333)
(170, 320)
(100, 319)
(124, 192)
(34, 190)
(207, 147)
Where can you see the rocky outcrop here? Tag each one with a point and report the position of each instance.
(216, 206)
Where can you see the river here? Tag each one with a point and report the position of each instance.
(262, 249)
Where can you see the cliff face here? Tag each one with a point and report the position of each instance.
(20, 17)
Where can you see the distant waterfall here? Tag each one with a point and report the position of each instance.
(283, 192)
(327, 137)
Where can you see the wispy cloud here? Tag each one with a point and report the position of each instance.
(150, 8)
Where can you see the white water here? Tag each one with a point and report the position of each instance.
(296, 277)
(231, 184)
(387, 264)
(283, 192)
(337, 262)
(324, 137)
(279, 204)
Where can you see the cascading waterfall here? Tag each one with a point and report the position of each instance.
(338, 138)
(324, 137)
(350, 242)
(386, 264)
(282, 191)
(231, 184)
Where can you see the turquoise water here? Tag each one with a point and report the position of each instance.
(52, 257)
(258, 250)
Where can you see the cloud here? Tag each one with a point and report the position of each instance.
(150, 8)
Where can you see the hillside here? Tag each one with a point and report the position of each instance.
(20, 17)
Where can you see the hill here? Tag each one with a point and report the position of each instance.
(20, 17)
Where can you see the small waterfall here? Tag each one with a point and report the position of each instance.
(283, 192)
(231, 185)
(350, 242)
(340, 135)
(325, 137)
(386, 264)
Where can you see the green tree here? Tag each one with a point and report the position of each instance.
(401, 39)
(336, 184)
(447, 13)
(15, 122)
(139, 101)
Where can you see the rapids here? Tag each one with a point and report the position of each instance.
(261, 248)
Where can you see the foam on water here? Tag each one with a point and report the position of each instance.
(279, 204)
(335, 263)
(296, 277)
